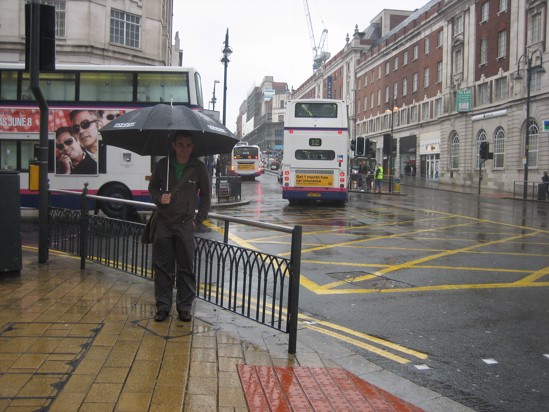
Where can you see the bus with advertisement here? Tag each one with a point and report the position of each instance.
(246, 161)
(82, 99)
(316, 151)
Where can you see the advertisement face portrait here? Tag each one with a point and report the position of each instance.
(71, 157)
(85, 128)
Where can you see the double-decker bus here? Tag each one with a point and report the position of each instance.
(246, 161)
(82, 99)
(316, 151)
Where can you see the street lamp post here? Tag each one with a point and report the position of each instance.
(227, 51)
(528, 58)
(392, 110)
(213, 95)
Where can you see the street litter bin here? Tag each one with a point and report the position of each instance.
(10, 224)
(542, 191)
(222, 187)
(235, 186)
(396, 186)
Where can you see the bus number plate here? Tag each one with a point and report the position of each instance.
(314, 180)
(245, 167)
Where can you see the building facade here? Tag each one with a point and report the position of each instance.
(261, 118)
(429, 86)
(132, 32)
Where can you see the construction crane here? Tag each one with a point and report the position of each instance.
(319, 55)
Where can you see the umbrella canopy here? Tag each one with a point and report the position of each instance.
(148, 131)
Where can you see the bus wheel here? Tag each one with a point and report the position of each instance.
(114, 209)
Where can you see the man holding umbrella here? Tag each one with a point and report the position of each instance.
(174, 186)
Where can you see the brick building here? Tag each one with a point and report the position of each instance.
(444, 79)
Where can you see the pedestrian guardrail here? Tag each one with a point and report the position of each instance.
(254, 284)
(531, 190)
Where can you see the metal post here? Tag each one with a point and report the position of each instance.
(527, 138)
(227, 51)
(84, 215)
(34, 71)
(293, 298)
(214, 99)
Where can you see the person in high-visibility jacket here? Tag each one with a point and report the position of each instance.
(378, 178)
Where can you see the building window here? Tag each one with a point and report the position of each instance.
(502, 6)
(426, 77)
(499, 147)
(416, 52)
(60, 16)
(395, 90)
(413, 114)
(404, 87)
(454, 151)
(372, 101)
(535, 83)
(458, 25)
(483, 52)
(386, 94)
(535, 28)
(533, 137)
(365, 103)
(403, 116)
(458, 61)
(379, 72)
(379, 97)
(481, 137)
(483, 91)
(125, 28)
(414, 82)
(439, 38)
(427, 45)
(438, 107)
(372, 76)
(502, 44)
(502, 89)
(395, 64)
(405, 58)
(425, 111)
(387, 68)
(484, 11)
(439, 72)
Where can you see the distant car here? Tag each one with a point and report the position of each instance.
(275, 165)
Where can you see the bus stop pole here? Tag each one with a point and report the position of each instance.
(34, 69)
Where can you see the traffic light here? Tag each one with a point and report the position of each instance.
(353, 145)
(359, 151)
(483, 150)
(367, 147)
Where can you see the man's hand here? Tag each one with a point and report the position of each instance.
(166, 198)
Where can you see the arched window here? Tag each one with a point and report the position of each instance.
(454, 151)
(533, 138)
(499, 147)
(481, 137)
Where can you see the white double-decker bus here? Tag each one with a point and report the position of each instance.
(82, 99)
(246, 161)
(316, 151)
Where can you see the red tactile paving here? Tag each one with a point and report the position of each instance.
(300, 389)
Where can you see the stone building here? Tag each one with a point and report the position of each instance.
(132, 32)
(443, 79)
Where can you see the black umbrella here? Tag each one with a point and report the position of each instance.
(148, 131)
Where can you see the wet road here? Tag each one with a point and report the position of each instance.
(446, 289)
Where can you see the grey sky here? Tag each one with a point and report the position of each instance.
(268, 38)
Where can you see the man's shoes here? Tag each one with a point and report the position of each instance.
(161, 315)
(185, 316)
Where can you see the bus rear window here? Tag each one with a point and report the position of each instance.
(245, 153)
(314, 154)
(320, 110)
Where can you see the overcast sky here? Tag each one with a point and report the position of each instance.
(268, 38)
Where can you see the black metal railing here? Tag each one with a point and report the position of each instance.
(534, 190)
(255, 284)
